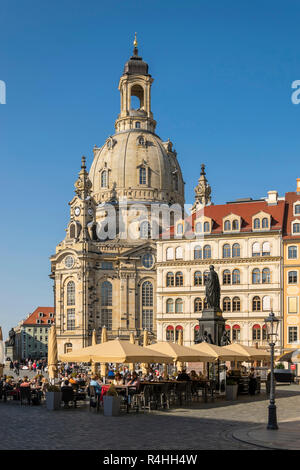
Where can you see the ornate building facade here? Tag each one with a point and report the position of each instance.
(112, 282)
(291, 271)
(243, 240)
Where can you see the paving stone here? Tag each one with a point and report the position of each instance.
(200, 426)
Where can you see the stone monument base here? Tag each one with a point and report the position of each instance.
(213, 323)
(10, 353)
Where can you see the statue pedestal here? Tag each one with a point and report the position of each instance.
(213, 323)
(10, 352)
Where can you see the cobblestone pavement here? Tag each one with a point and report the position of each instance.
(201, 426)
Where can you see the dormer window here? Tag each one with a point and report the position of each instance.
(296, 227)
(297, 208)
(41, 314)
(206, 227)
(256, 224)
(227, 225)
(235, 224)
(232, 223)
(261, 221)
(198, 227)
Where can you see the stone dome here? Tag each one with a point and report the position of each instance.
(137, 165)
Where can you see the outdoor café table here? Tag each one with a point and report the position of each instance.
(126, 388)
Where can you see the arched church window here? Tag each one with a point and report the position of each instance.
(104, 179)
(106, 305)
(106, 294)
(71, 293)
(137, 125)
(147, 306)
(143, 175)
(145, 230)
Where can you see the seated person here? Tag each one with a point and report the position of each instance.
(118, 380)
(193, 375)
(25, 383)
(183, 376)
(96, 384)
(67, 393)
(134, 381)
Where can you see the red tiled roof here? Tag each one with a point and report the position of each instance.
(31, 320)
(290, 198)
(245, 210)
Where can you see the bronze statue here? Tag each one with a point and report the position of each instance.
(225, 340)
(212, 289)
(12, 337)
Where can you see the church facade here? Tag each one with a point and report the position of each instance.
(112, 282)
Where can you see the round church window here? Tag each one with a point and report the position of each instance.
(148, 260)
(69, 262)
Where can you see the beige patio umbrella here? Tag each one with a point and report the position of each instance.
(179, 364)
(219, 352)
(52, 353)
(131, 365)
(103, 367)
(145, 366)
(94, 342)
(2, 353)
(249, 353)
(180, 353)
(117, 351)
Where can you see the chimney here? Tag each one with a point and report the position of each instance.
(298, 185)
(272, 198)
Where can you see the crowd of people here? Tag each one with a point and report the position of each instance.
(28, 364)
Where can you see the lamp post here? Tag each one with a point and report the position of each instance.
(272, 324)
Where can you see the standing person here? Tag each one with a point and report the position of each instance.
(11, 365)
(252, 382)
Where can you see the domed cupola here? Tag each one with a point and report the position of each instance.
(135, 163)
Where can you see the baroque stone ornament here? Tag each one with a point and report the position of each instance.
(202, 190)
(83, 185)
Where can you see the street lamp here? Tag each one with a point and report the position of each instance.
(272, 324)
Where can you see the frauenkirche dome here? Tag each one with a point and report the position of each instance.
(135, 163)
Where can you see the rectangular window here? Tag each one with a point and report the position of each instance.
(292, 334)
(71, 319)
(292, 305)
(147, 319)
(292, 277)
(106, 318)
(292, 252)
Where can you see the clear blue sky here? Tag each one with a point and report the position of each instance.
(222, 93)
